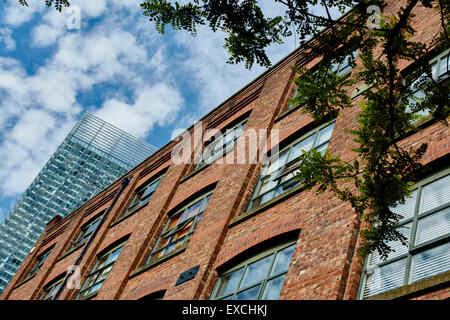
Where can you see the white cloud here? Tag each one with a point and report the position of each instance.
(37, 110)
(53, 26)
(15, 14)
(176, 132)
(89, 8)
(6, 38)
(158, 104)
(142, 74)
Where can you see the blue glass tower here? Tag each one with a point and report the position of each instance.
(91, 157)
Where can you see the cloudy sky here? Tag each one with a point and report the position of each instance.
(115, 65)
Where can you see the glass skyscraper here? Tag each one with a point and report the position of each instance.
(90, 158)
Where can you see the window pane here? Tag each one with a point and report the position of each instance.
(273, 288)
(162, 242)
(443, 68)
(305, 144)
(150, 189)
(433, 226)
(95, 288)
(344, 69)
(322, 148)
(192, 210)
(267, 197)
(205, 203)
(430, 262)
(229, 283)
(266, 185)
(406, 210)
(256, 271)
(325, 134)
(249, 294)
(397, 246)
(91, 227)
(282, 260)
(113, 256)
(89, 282)
(102, 276)
(184, 231)
(101, 262)
(385, 278)
(435, 194)
(275, 163)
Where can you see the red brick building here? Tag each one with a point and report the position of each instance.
(247, 230)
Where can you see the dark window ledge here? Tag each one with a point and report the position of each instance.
(287, 112)
(193, 173)
(415, 289)
(92, 295)
(130, 213)
(421, 124)
(156, 262)
(206, 165)
(266, 205)
(71, 250)
(25, 281)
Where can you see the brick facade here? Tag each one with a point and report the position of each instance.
(324, 265)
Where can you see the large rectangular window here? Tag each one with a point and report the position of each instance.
(339, 68)
(221, 144)
(278, 174)
(439, 71)
(260, 277)
(100, 272)
(426, 225)
(143, 195)
(39, 262)
(180, 227)
(51, 289)
(85, 232)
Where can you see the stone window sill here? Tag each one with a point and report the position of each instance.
(25, 281)
(415, 289)
(267, 205)
(71, 250)
(128, 214)
(92, 295)
(287, 112)
(156, 262)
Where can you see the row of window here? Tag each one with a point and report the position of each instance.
(182, 224)
(277, 177)
(425, 223)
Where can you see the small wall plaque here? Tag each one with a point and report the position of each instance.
(187, 275)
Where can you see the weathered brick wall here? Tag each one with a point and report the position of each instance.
(324, 264)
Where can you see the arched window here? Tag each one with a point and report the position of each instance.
(259, 277)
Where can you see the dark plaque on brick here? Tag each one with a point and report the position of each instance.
(187, 275)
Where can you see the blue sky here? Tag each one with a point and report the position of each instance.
(116, 66)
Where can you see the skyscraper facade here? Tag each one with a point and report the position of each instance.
(91, 157)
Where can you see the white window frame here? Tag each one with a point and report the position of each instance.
(286, 169)
(182, 222)
(437, 76)
(98, 273)
(139, 200)
(209, 154)
(244, 264)
(402, 252)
